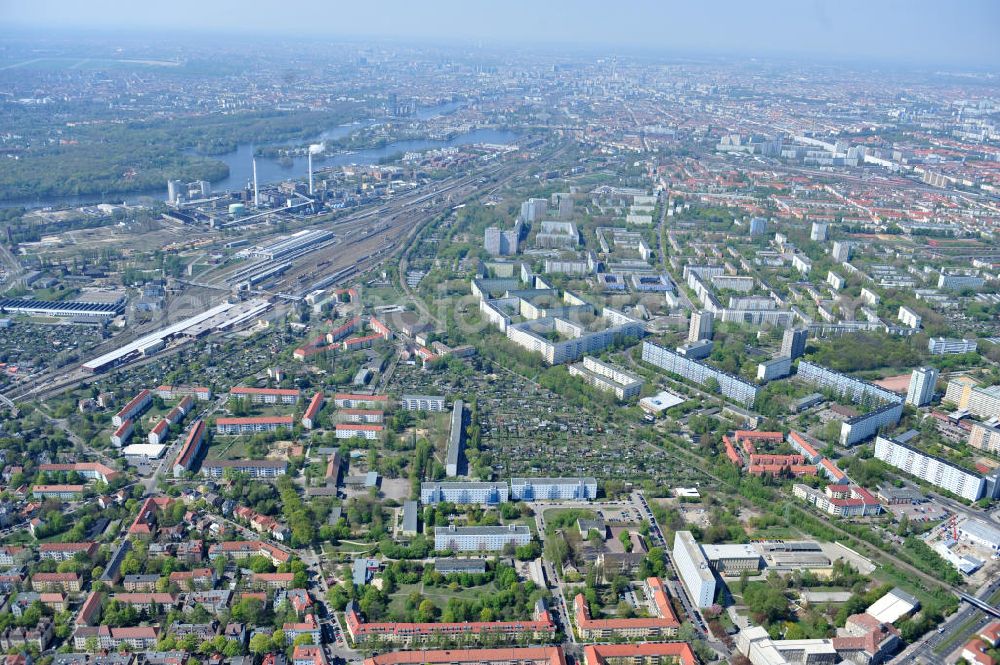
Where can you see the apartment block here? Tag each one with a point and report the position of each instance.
(607, 378)
(553, 489)
(480, 538)
(481, 493)
(695, 572)
(934, 470)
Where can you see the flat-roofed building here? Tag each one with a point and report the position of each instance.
(455, 439)
(731, 560)
(986, 436)
(480, 538)
(607, 377)
(966, 393)
(481, 493)
(410, 518)
(940, 346)
(694, 568)
(435, 403)
(921, 388)
(261, 468)
(252, 424)
(266, 395)
(452, 566)
(935, 470)
(553, 489)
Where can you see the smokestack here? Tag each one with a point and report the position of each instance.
(256, 195)
(310, 172)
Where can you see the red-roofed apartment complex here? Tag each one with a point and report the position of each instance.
(840, 500)
(144, 525)
(540, 627)
(664, 624)
(519, 656)
(678, 653)
(241, 549)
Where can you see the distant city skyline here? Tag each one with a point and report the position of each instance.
(918, 32)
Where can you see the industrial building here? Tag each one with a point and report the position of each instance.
(132, 350)
(81, 311)
(291, 245)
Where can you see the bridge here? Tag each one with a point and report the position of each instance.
(979, 603)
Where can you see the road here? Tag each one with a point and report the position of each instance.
(968, 620)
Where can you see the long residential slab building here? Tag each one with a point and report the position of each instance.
(480, 538)
(937, 471)
(607, 377)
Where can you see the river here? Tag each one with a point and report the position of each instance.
(240, 161)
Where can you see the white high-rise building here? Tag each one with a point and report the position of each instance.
(534, 209)
(921, 388)
(909, 318)
(758, 226)
(841, 251)
(694, 569)
(936, 471)
(701, 326)
(819, 232)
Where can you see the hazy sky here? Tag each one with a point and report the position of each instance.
(926, 31)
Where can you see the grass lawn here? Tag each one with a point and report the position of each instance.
(228, 447)
(565, 518)
(344, 548)
(438, 595)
